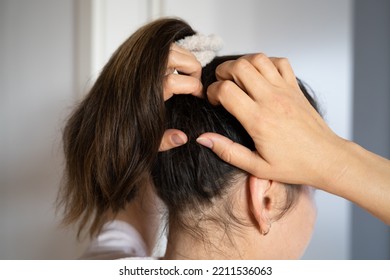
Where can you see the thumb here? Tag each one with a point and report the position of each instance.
(172, 138)
(234, 153)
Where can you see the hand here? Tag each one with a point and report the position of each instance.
(185, 81)
(292, 140)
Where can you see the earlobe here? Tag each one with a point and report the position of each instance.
(259, 202)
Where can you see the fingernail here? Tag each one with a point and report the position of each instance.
(178, 140)
(205, 142)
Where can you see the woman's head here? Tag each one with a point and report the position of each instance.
(111, 144)
(202, 191)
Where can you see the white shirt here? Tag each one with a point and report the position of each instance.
(116, 240)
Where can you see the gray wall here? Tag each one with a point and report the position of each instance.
(371, 117)
(36, 92)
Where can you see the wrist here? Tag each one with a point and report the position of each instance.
(333, 164)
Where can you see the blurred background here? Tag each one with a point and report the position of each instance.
(52, 50)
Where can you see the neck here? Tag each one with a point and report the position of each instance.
(216, 243)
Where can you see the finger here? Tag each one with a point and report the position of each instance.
(172, 138)
(242, 72)
(285, 70)
(234, 153)
(184, 61)
(229, 94)
(266, 67)
(182, 84)
(235, 101)
(178, 48)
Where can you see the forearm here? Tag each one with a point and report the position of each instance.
(361, 177)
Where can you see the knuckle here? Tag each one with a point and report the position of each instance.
(259, 58)
(226, 86)
(193, 65)
(169, 81)
(221, 68)
(172, 57)
(283, 61)
(241, 65)
(195, 83)
(197, 65)
(226, 154)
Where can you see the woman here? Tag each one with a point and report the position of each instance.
(111, 142)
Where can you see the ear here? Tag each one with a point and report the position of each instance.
(260, 202)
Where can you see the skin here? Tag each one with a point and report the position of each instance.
(257, 203)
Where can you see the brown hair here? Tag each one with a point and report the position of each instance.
(112, 138)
